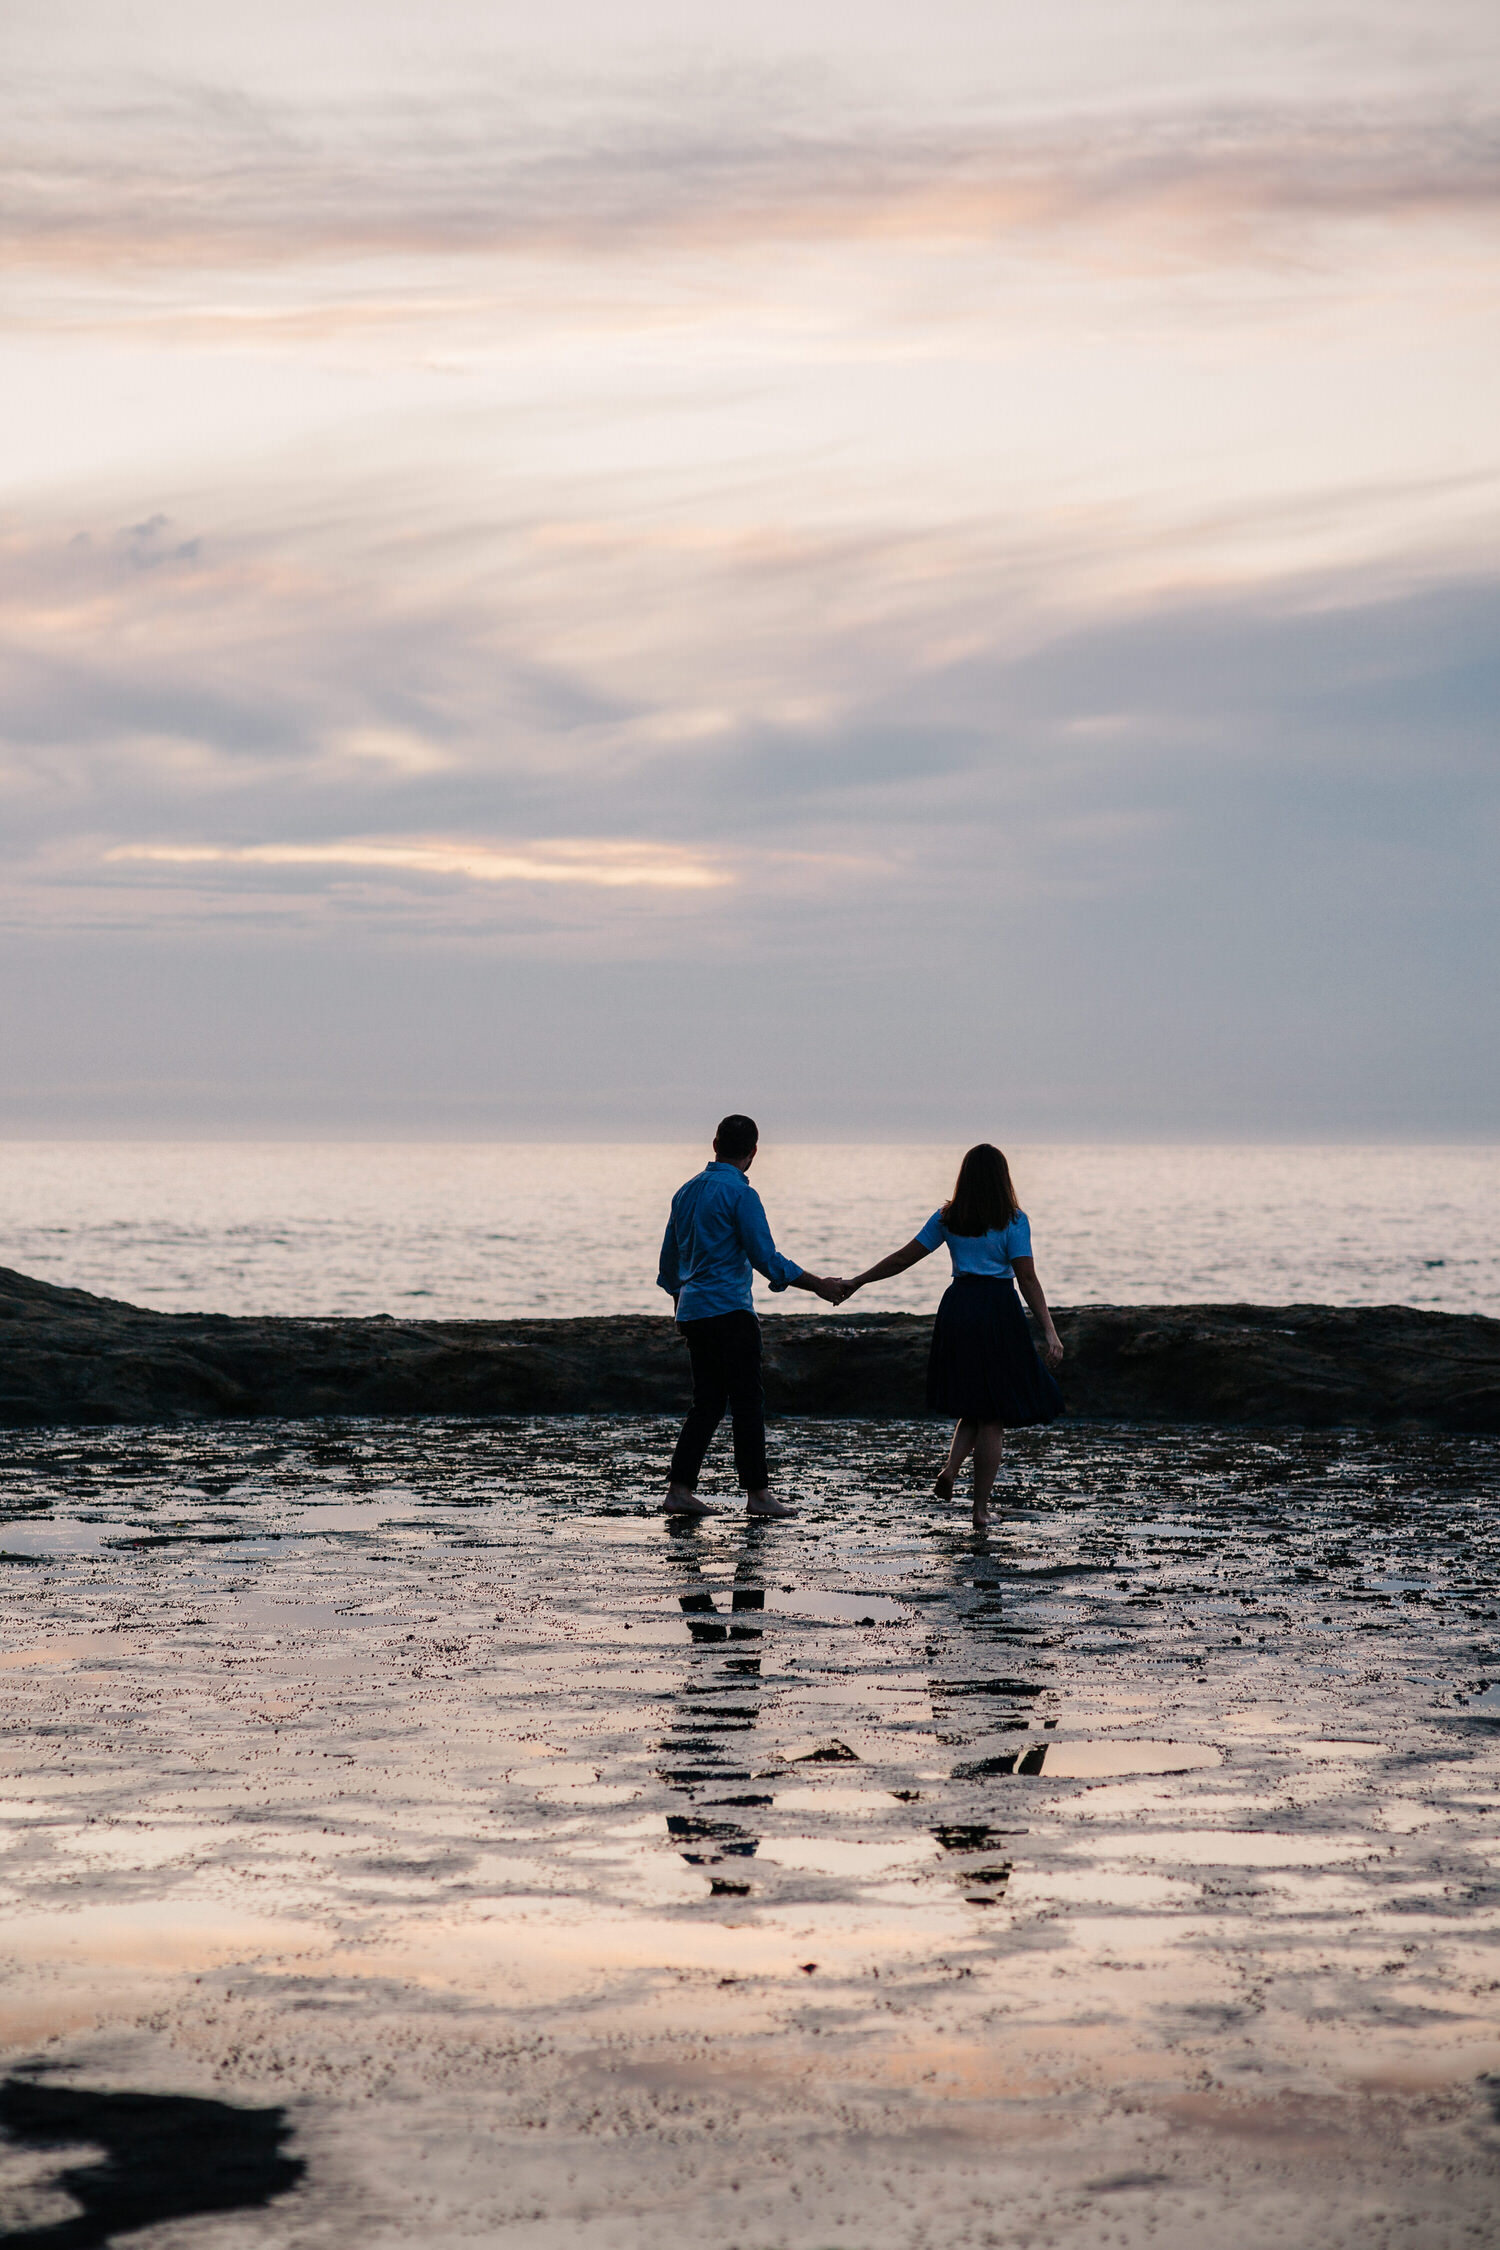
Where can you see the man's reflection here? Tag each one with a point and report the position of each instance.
(706, 1756)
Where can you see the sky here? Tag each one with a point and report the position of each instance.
(917, 572)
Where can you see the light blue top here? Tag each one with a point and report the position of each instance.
(716, 1233)
(981, 1253)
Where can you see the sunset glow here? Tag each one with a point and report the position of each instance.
(997, 489)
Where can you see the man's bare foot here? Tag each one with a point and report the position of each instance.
(761, 1504)
(682, 1500)
(942, 1485)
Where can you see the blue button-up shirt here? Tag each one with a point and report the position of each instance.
(716, 1233)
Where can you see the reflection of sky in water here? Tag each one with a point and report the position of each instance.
(447, 1704)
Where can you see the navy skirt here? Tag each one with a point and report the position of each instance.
(984, 1366)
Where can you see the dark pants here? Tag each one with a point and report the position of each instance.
(725, 1352)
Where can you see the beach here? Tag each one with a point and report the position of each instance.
(412, 1835)
(558, 1876)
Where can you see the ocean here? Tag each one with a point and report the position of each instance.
(494, 1229)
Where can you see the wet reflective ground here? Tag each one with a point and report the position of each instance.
(1129, 1876)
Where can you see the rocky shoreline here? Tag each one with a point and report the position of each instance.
(68, 1357)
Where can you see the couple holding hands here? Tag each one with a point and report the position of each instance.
(984, 1368)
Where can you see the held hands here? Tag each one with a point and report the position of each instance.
(833, 1290)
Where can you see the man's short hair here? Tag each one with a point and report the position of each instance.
(736, 1136)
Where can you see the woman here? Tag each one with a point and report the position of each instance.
(984, 1367)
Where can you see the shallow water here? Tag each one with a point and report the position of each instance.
(503, 1230)
(568, 1874)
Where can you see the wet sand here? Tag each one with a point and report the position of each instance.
(561, 1877)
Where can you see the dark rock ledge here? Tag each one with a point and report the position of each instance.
(68, 1357)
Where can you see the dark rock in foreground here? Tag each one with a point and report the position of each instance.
(68, 1357)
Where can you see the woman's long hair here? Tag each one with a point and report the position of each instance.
(982, 1194)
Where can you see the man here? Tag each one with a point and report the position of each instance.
(716, 1233)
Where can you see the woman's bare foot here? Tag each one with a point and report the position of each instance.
(761, 1504)
(942, 1485)
(981, 1519)
(682, 1500)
